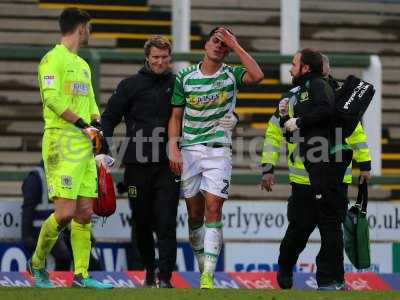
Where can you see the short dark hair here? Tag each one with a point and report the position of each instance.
(157, 41)
(71, 18)
(212, 32)
(313, 59)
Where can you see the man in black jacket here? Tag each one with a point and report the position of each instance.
(325, 160)
(143, 100)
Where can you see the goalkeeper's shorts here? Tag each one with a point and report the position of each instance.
(69, 164)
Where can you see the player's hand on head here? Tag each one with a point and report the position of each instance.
(228, 38)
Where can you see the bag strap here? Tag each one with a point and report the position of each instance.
(362, 197)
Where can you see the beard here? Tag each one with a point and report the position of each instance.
(296, 79)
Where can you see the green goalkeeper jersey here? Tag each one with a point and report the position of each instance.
(65, 83)
(206, 99)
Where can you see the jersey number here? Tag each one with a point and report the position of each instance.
(226, 187)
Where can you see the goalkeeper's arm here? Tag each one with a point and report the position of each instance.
(94, 134)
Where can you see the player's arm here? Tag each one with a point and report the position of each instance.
(50, 82)
(254, 73)
(94, 109)
(174, 132)
(175, 125)
(51, 86)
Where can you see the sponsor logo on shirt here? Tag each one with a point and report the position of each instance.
(216, 98)
(48, 80)
(76, 88)
(206, 98)
(304, 96)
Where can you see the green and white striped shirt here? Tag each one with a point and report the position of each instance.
(206, 100)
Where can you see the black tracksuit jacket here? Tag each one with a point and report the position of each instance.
(144, 101)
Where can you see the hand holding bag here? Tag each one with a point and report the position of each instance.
(356, 231)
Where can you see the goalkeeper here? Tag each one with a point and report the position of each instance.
(71, 137)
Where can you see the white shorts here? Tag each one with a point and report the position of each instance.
(206, 169)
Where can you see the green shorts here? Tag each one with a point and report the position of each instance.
(69, 164)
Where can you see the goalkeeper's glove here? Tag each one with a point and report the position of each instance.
(92, 133)
(96, 124)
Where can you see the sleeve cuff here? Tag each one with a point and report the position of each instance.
(267, 169)
(58, 109)
(365, 165)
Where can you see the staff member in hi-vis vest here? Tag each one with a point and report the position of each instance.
(302, 210)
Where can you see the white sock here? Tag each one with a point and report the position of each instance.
(196, 239)
(212, 246)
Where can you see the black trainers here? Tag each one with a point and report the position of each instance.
(285, 280)
(165, 284)
(150, 280)
(335, 286)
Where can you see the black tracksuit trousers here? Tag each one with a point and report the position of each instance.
(322, 205)
(153, 196)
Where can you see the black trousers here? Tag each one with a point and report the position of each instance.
(322, 205)
(153, 196)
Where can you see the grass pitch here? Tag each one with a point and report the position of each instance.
(189, 294)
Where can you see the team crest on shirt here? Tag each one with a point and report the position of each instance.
(218, 84)
(66, 181)
(132, 191)
(50, 189)
(86, 73)
(304, 96)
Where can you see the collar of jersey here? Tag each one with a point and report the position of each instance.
(66, 50)
(216, 74)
